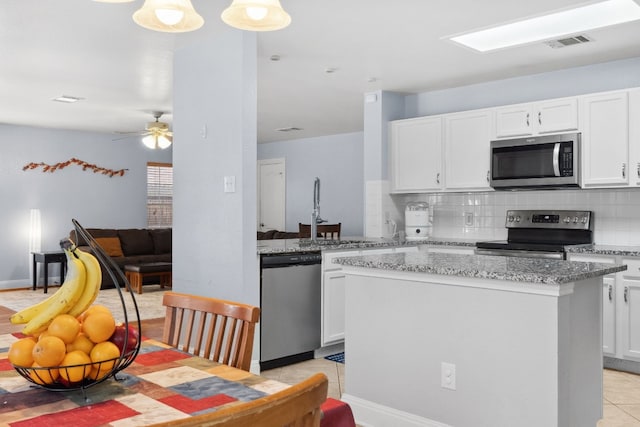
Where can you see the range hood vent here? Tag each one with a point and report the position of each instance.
(569, 41)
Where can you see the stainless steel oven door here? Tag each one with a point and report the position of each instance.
(521, 253)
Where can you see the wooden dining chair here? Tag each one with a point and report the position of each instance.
(295, 406)
(326, 231)
(211, 328)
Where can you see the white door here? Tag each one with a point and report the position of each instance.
(271, 194)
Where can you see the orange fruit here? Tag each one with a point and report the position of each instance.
(98, 326)
(49, 351)
(97, 374)
(96, 308)
(43, 334)
(65, 327)
(103, 355)
(21, 352)
(81, 343)
(75, 366)
(43, 376)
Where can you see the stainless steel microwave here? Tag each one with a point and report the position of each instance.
(550, 161)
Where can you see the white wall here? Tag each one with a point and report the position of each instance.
(337, 161)
(94, 200)
(214, 233)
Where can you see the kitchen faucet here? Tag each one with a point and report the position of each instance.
(315, 215)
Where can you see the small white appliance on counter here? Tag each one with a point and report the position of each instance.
(417, 221)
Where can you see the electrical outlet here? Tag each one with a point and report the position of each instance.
(468, 219)
(448, 375)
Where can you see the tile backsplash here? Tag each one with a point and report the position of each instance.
(482, 215)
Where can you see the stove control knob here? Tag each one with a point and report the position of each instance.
(518, 218)
(575, 220)
(584, 219)
(510, 218)
(567, 220)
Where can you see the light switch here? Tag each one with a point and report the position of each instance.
(229, 184)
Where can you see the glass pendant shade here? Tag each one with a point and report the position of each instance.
(256, 15)
(157, 141)
(170, 16)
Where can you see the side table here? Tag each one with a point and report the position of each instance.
(47, 258)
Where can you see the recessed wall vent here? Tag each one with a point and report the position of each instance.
(569, 41)
(289, 129)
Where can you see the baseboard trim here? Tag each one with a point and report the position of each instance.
(15, 285)
(622, 365)
(370, 414)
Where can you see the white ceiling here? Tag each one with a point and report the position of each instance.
(95, 51)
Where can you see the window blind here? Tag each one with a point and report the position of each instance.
(159, 195)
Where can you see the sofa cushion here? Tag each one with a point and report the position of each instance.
(111, 245)
(135, 241)
(161, 240)
(95, 233)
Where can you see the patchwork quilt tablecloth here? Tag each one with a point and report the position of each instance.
(162, 384)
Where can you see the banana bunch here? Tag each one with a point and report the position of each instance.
(77, 293)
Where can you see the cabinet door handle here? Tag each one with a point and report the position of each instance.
(488, 174)
(638, 170)
(438, 178)
(610, 293)
(539, 117)
(626, 294)
(624, 170)
(527, 119)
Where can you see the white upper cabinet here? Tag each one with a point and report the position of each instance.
(634, 137)
(416, 155)
(604, 123)
(467, 137)
(551, 116)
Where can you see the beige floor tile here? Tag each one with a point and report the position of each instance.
(615, 417)
(295, 373)
(621, 388)
(633, 410)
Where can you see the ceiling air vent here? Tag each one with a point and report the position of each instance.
(289, 129)
(569, 41)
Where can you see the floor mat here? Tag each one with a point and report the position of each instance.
(338, 357)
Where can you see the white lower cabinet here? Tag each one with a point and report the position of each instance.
(333, 284)
(630, 308)
(620, 307)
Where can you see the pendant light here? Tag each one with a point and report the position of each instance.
(113, 1)
(157, 141)
(256, 15)
(170, 16)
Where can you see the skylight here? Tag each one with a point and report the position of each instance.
(589, 17)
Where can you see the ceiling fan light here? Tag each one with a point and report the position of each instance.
(149, 141)
(149, 16)
(164, 141)
(256, 15)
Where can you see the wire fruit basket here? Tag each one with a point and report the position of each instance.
(62, 378)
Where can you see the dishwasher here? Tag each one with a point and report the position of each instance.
(290, 299)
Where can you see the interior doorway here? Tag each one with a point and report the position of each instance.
(271, 194)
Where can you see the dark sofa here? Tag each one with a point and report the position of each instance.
(129, 247)
(275, 234)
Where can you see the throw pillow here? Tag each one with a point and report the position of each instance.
(111, 245)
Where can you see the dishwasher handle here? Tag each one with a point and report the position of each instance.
(290, 260)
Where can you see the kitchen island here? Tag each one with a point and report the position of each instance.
(461, 340)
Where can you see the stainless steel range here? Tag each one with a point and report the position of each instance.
(541, 233)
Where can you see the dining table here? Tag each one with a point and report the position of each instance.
(162, 384)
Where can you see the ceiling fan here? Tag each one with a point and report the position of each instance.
(155, 135)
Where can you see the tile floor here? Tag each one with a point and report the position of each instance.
(621, 389)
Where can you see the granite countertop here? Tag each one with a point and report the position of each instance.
(532, 270)
(604, 250)
(278, 246)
